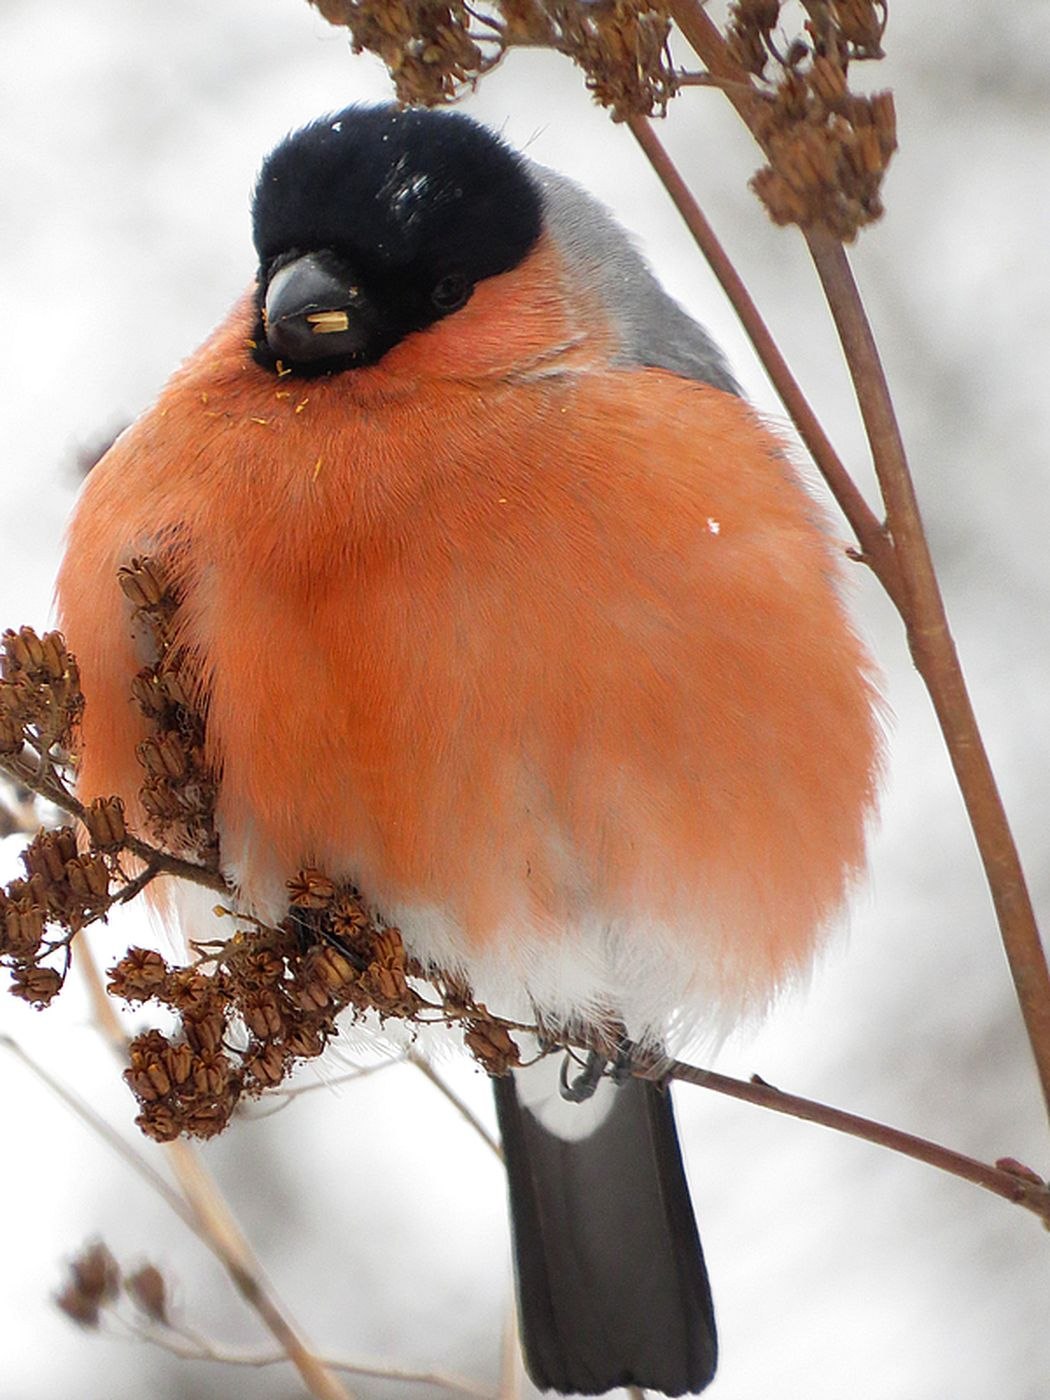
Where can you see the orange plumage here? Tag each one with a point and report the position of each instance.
(497, 628)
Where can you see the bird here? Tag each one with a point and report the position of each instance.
(509, 609)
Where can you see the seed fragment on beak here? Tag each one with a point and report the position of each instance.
(328, 322)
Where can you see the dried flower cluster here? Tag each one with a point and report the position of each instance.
(828, 148)
(40, 698)
(268, 998)
(96, 1282)
(178, 792)
(65, 886)
(64, 889)
(434, 50)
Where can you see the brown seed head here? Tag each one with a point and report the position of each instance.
(148, 1291)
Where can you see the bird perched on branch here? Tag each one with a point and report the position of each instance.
(507, 608)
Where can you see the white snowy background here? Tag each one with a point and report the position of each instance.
(129, 138)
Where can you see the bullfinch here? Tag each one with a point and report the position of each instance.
(507, 608)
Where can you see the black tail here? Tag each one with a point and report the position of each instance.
(612, 1288)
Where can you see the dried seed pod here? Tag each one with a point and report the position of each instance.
(96, 1273)
(78, 1306)
(148, 693)
(179, 1063)
(205, 1032)
(492, 1046)
(332, 968)
(148, 1290)
(310, 889)
(311, 995)
(143, 583)
(268, 1067)
(37, 985)
(862, 24)
(210, 1119)
(105, 823)
(160, 1122)
(828, 80)
(23, 652)
(262, 1014)
(22, 931)
(139, 975)
(88, 878)
(209, 1075)
(305, 1041)
(349, 917)
(12, 736)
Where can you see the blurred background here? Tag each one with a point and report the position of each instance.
(130, 139)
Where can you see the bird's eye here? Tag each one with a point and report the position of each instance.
(451, 292)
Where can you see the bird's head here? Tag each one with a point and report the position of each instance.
(375, 223)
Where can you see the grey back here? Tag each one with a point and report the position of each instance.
(654, 330)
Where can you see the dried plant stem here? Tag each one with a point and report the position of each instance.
(906, 570)
(1034, 1195)
(205, 1210)
(228, 1243)
(933, 651)
(98, 1125)
(704, 38)
(875, 545)
(43, 781)
(463, 1109)
(510, 1356)
(197, 1349)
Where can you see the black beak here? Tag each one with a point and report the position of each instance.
(315, 310)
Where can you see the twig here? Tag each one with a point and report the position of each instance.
(876, 547)
(45, 784)
(933, 651)
(206, 1212)
(912, 584)
(510, 1356)
(704, 38)
(1033, 1195)
(457, 1103)
(197, 1349)
(283, 1097)
(1005, 1184)
(229, 1244)
(105, 1133)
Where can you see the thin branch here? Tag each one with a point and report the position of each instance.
(936, 659)
(197, 1349)
(206, 1212)
(876, 547)
(457, 1103)
(46, 784)
(704, 38)
(912, 584)
(701, 79)
(1020, 1190)
(510, 1355)
(105, 1133)
(230, 1246)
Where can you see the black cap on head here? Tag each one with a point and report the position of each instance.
(407, 210)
